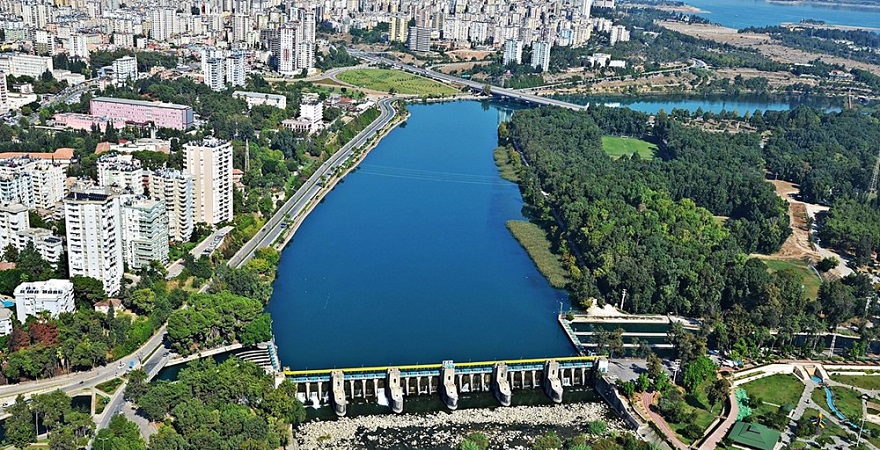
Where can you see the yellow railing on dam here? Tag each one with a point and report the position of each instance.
(294, 373)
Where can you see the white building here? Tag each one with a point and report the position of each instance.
(175, 189)
(297, 44)
(29, 65)
(161, 23)
(541, 55)
(259, 98)
(209, 162)
(125, 70)
(5, 321)
(513, 51)
(619, 33)
(4, 94)
(47, 183)
(214, 72)
(54, 296)
(121, 171)
(236, 69)
(77, 46)
(144, 232)
(419, 39)
(13, 220)
(49, 246)
(94, 236)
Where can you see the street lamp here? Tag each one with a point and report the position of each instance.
(103, 440)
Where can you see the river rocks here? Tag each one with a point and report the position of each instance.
(509, 428)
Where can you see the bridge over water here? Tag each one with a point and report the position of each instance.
(447, 379)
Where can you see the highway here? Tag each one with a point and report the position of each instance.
(299, 200)
(495, 90)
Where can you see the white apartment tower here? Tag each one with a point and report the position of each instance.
(94, 236)
(125, 70)
(53, 296)
(4, 93)
(209, 162)
(297, 44)
(13, 220)
(175, 189)
(513, 51)
(144, 232)
(236, 70)
(214, 71)
(161, 23)
(121, 171)
(541, 55)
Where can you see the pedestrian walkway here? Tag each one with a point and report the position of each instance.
(721, 431)
(647, 399)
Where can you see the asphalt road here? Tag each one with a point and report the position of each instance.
(296, 203)
(83, 380)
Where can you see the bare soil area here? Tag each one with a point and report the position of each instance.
(764, 44)
(797, 246)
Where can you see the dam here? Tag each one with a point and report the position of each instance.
(448, 379)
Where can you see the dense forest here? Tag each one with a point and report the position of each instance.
(231, 405)
(652, 228)
(637, 223)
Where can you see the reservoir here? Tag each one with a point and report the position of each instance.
(409, 259)
(759, 13)
(713, 103)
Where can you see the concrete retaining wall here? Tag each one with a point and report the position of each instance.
(607, 391)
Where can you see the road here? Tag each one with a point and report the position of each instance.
(442, 77)
(83, 380)
(300, 200)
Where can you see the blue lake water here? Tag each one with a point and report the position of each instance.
(409, 259)
(758, 13)
(714, 104)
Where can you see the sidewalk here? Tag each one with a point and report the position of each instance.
(712, 441)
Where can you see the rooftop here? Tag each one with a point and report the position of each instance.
(753, 435)
(61, 153)
(257, 95)
(125, 101)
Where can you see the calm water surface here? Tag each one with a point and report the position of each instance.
(758, 13)
(716, 104)
(409, 260)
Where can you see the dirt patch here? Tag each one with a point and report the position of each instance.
(764, 44)
(467, 55)
(797, 246)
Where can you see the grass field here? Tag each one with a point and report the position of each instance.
(534, 240)
(110, 386)
(616, 146)
(508, 163)
(779, 390)
(811, 281)
(385, 80)
(863, 381)
(846, 400)
(830, 428)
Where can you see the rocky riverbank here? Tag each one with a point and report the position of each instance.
(510, 428)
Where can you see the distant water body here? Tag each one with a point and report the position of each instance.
(409, 260)
(715, 104)
(759, 13)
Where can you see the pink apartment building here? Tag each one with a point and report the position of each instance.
(85, 121)
(162, 115)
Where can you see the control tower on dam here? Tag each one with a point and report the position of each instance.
(448, 380)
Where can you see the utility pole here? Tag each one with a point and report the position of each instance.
(873, 188)
(622, 298)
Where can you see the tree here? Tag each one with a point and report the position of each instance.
(628, 388)
(167, 439)
(827, 264)
(87, 291)
(655, 365)
(20, 430)
(62, 439)
(479, 441)
(597, 427)
(548, 441)
(143, 300)
(137, 385)
(642, 382)
(697, 371)
(717, 392)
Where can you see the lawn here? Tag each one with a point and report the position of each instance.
(778, 390)
(700, 406)
(847, 401)
(533, 239)
(110, 386)
(811, 281)
(863, 381)
(385, 80)
(616, 146)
